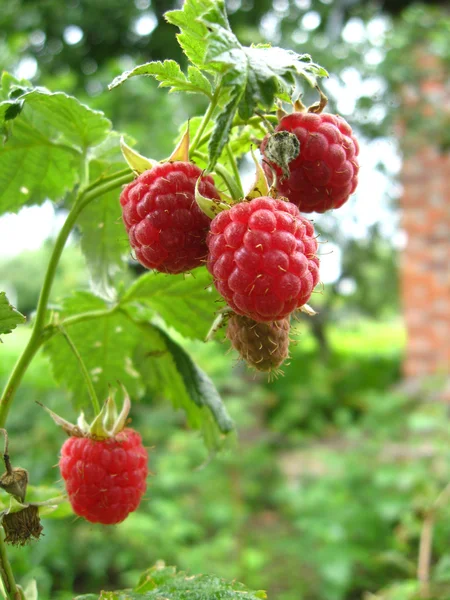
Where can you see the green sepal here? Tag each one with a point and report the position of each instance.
(210, 206)
(137, 163)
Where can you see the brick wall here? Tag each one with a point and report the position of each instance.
(425, 263)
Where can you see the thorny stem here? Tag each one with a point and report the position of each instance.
(87, 378)
(39, 333)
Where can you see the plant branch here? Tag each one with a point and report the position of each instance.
(101, 180)
(426, 543)
(424, 561)
(235, 169)
(206, 118)
(9, 583)
(40, 333)
(87, 378)
(233, 188)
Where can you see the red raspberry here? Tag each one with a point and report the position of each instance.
(166, 227)
(105, 480)
(325, 172)
(262, 255)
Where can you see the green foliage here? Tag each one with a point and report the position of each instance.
(119, 344)
(184, 301)
(326, 496)
(50, 135)
(169, 73)
(246, 78)
(161, 581)
(9, 316)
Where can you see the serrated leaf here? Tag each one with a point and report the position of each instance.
(74, 121)
(45, 146)
(169, 74)
(165, 583)
(9, 316)
(106, 345)
(261, 73)
(170, 372)
(192, 32)
(185, 302)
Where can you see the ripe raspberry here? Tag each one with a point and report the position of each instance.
(262, 255)
(264, 346)
(325, 172)
(166, 227)
(105, 480)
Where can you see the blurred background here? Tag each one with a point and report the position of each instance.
(340, 461)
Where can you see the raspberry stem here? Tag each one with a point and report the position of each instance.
(206, 118)
(87, 378)
(9, 583)
(235, 170)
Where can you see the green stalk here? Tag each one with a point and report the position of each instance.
(106, 179)
(235, 169)
(39, 333)
(87, 378)
(234, 189)
(206, 118)
(11, 589)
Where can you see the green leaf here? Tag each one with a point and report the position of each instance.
(9, 316)
(116, 347)
(46, 138)
(257, 74)
(169, 372)
(104, 240)
(165, 583)
(169, 73)
(76, 123)
(185, 302)
(106, 345)
(221, 131)
(192, 32)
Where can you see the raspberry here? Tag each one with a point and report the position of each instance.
(105, 480)
(264, 346)
(166, 227)
(325, 171)
(262, 255)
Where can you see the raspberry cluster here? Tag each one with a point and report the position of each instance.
(260, 251)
